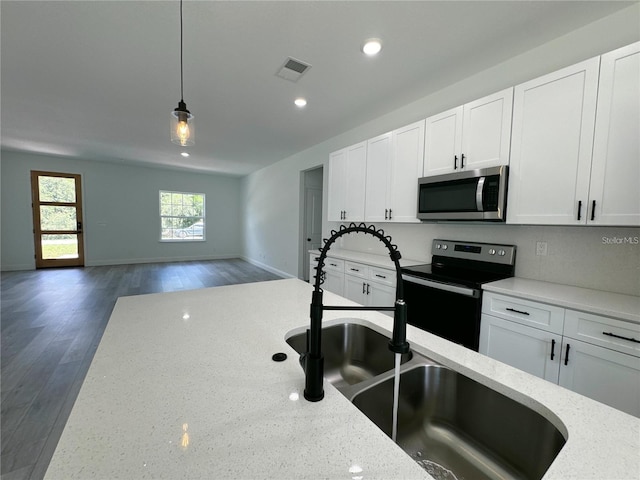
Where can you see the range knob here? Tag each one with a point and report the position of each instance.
(438, 246)
(492, 251)
(444, 247)
(501, 253)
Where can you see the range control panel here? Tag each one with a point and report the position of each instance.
(484, 252)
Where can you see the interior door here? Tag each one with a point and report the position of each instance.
(57, 219)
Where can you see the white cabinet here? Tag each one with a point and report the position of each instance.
(379, 166)
(614, 191)
(605, 375)
(394, 164)
(551, 146)
(524, 334)
(535, 351)
(596, 356)
(562, 173)
(474, 135)
(333, 273)
(370, 286)
(347, 183)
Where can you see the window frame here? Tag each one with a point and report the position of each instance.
(188, 239)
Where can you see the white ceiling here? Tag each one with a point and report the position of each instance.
(98, 79)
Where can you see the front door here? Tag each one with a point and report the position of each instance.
(57, 219)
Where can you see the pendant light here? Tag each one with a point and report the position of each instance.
(182, 128)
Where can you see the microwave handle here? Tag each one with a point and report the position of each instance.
(479, 192)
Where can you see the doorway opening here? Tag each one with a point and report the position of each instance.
(57, 219)
(311, 183)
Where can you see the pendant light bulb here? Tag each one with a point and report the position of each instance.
(182, 127)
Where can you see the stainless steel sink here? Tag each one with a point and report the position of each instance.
(353, 353)
(457, 428)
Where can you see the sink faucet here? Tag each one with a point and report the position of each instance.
(313, 359)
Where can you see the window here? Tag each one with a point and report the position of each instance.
(182, 216)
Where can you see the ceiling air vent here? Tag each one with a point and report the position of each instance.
(293, 69)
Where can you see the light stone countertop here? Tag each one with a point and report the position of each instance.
(382, 261)
(624, 307)
(183, 386)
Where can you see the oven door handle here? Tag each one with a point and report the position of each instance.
(469, 292)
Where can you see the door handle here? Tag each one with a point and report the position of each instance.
(79, 226)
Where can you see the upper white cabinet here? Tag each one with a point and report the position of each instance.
(347, 183)
(561, 172)
(474, 135)
(394, 163)
(614, 191)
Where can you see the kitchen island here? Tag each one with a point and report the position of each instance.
(183, 386)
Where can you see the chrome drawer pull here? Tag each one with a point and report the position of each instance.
(631, 339)
(516, 311)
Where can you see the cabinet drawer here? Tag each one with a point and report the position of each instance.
(334, 264)
(382, 275)
(604, 331)
(534, 314)
(356, 269)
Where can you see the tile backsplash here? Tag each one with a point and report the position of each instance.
(601, 258)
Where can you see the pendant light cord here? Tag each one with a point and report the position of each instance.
(181, 69)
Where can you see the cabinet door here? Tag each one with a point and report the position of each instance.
(535, 351)
(486, 131)
(355, 289)
(551, 147)
(378, 178)
(408, 153)
(615, 170)
(382, 296)
(337, 185)
(609, 377)
(334, 282)
(355, 182)
(443, 142)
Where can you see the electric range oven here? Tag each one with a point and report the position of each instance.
(445, 296)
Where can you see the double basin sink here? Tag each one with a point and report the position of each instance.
(453, 426)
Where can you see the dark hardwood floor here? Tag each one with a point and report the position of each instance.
(52, 321)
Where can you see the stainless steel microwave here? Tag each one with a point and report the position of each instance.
(470, 195)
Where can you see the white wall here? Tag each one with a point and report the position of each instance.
(121, 212)
(577, 256)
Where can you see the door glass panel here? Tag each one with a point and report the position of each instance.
(57, 218)
(57, 189)
(59, 246)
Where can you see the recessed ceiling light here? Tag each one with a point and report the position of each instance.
(184, 154)
(300, 102)
(372, 46)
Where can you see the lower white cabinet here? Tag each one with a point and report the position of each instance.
(535, 351)
(333, 273)
(593, 355)
(605, 375)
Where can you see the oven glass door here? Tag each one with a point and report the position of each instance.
(448, 314)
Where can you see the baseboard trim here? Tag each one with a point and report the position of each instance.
(126, 261)
(268, 268)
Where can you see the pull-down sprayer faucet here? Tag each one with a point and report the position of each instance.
(313, 359)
